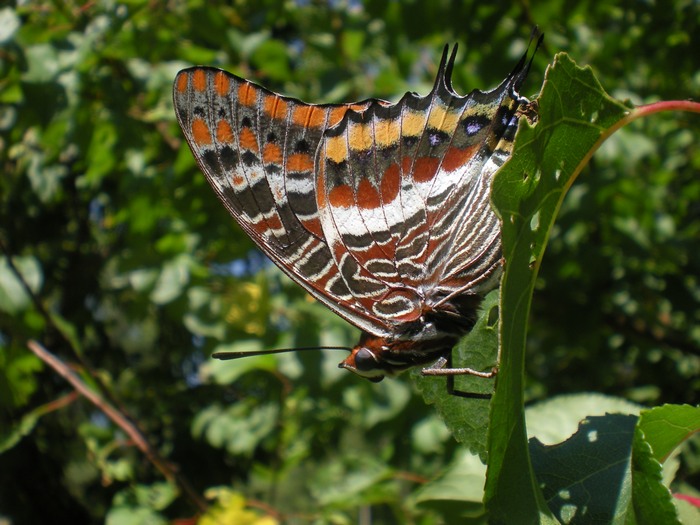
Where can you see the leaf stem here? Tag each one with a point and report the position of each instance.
(634, 114)
(664, 105)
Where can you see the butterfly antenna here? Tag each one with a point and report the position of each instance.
(225, 356)
(539, 35)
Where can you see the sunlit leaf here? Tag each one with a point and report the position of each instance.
(230, 509)
(574, 113)
(458, 492)
(666, 427)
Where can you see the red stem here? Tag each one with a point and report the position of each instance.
(666, 105)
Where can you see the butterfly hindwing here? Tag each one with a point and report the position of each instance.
(405, 194)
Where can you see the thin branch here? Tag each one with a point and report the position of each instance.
(28, 290)
(665, 105)
(61, 402)
(267, 509)
(169, 472)
(120, 415)
(409, 476)
(60, 329)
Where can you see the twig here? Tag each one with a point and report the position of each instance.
(37, 303)
(58, 404)
(136, 436)
(50, 321)
(119, 416)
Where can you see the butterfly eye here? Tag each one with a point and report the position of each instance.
(365, 360)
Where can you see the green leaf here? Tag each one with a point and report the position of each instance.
(9, 23)
(555, 420)
(42, 63)
(272, 58)
(352, 43)
(101, 159)
(574, 115)
(19, 369)
(458, 492)
(121, 515)
(69, 332)
(652, 501)
(10, 435)
(587, 479)
(172, 280)
(349, 481)
(239, 427)
(468, 419)
(576, 473)
(659, 431)
(666, 427)
(141, 504)
(388, 400)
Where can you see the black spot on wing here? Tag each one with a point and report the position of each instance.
(229, 158)
(302, 203)
(410, 140)
(249, 158)
(211, 159)
(336, 173)
(302, 146)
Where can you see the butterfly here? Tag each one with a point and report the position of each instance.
(380, 211)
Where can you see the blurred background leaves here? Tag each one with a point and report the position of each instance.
(105, 214)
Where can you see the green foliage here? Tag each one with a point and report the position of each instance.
(230, 510)
(143, 274)
(141, 504)
(574, 115)
(468, 419)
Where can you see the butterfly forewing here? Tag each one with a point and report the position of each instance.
(257, 150)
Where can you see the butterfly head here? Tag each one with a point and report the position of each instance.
(375, 357)
(365, 362)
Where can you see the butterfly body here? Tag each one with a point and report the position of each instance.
(380, 211)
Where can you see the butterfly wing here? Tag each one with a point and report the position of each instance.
(464, 248)
(404, 195)
(257, 151)
(372, 207)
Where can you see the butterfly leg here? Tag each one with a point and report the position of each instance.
(443, 367)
